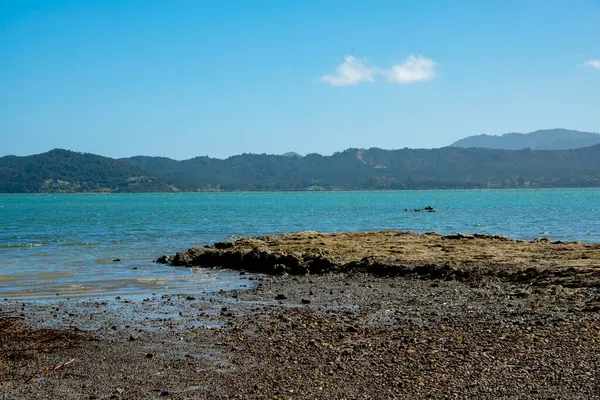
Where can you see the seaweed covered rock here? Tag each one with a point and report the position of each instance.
(393, 253)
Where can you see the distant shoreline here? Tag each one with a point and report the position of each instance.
(320, 191)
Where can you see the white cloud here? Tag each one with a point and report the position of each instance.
(350, 72)
(413, 69)
(592, 64)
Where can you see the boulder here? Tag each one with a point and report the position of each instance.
(164, 259)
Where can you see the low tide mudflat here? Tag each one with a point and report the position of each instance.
(361, 315)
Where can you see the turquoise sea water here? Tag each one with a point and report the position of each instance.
(66, 243)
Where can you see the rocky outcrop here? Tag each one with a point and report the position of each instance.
(277, 263)
(392, 253)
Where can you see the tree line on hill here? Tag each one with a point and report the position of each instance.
(445, 168)
(64, 171)
(351, 169)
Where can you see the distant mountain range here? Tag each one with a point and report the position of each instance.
(549, 139)
(356, 169)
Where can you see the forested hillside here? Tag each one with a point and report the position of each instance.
(352, 169)
(67, 171)
(448, 167)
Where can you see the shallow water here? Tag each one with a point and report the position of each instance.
(66, 243)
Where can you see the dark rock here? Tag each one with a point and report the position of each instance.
(319, 264)
(459, 236)
(131, 338)
(164, 259)
(180, 259)
(187, 258)
(149, 355)
(190, 298)
(305, 301)
(281, 297)
(223, 245)
(117, 260)
(426, 209)
(279, 269)
(541, 240)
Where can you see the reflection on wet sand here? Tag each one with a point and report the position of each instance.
(49, 284)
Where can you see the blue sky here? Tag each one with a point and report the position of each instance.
(187, 78)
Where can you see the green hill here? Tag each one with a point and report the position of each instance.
(449, 167)
(548, 139)
(67, 171)
(352, 169)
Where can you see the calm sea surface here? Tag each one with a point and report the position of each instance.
(66, 243)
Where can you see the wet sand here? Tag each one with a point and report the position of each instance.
(350, 334)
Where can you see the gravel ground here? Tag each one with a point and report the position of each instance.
(330, 336)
